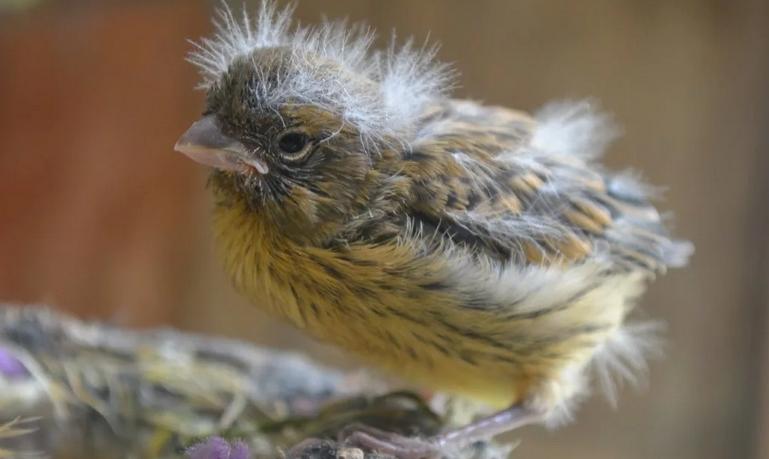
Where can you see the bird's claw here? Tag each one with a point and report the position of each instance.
(369, 438)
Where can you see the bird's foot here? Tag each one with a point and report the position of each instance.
(357, 438)
(380, 441)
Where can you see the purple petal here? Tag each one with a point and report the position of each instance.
(10, 366)
(240, 451)
(218, 448)
(213, 448)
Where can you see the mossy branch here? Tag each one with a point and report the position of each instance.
(103, 392)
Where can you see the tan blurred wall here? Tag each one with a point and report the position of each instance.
(101, 217)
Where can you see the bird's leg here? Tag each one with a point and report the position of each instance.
(389, 443)
(431, 448)
(504, 421)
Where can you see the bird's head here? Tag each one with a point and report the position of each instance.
(295, 117)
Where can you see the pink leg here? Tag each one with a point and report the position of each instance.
(504, 421)
(395, 445)
(363, 436)
(431, 448)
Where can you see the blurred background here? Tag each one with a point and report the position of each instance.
(101, 218)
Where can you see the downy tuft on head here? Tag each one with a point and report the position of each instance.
(380, 93)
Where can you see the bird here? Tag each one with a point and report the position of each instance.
(472, 249)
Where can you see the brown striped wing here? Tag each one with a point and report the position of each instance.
(479, 182)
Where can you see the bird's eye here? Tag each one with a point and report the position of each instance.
(294, 145)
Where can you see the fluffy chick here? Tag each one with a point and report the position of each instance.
(473, 249)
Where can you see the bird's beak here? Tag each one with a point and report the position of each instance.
(204, 143)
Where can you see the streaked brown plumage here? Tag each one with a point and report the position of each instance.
(473, 249)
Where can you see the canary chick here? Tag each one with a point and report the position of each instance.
(476, 250)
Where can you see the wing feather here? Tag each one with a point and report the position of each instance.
(527, 189)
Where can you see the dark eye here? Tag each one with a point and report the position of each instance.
(293, 143)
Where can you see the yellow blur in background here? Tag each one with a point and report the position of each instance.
(100, 217)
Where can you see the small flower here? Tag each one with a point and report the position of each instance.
(10, 367)
(218, 448)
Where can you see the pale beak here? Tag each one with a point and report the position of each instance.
(204, 143)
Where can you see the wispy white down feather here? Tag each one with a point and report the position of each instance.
(574, 129)
(379, 93)
(623, 357)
